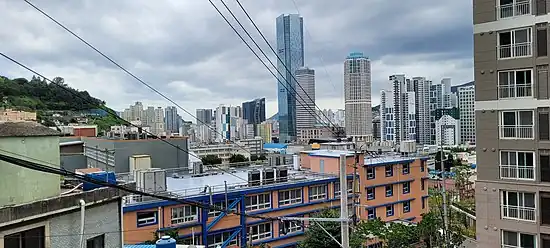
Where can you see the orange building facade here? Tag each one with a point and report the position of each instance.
(391, 187)
(299, 196)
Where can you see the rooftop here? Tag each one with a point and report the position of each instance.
(384, 159)
(331, 153)
(356, 55)
(25, 129)
(189, 185)
(275, 146)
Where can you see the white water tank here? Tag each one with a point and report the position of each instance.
(151, 180)
(296, 162)
(139, 162)
(408, 146)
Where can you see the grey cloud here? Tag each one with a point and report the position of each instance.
(186, 41)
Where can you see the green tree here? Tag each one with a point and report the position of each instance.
(253, 157)
(236, 158)
(211, 159)
(315, 237)
(262, 157)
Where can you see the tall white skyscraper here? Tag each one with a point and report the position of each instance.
(466, 102)
(305, 99)
(422, 96)
(357, 95)
(157, 127)
(398, 110)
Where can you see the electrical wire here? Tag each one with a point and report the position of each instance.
(113, 114)
(309, 109)
(275, 53)
(255, 53)
(125, 70)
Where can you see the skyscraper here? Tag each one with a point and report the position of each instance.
(254, 112)
(171, 120)
(227, 123)
(357, 91)
(466, 101)
(422, 105)
(305, 103)
(398, 110)
(512, 123)
(204, 116)
(290, 49)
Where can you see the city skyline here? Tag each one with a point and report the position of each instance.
(189, 81)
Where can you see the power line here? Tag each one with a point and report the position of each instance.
(309, 109)
(124, 69)
(275, 53)
(254, 52)
(112, 114)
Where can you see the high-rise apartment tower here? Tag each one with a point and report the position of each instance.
(512, 110)
(357, 95)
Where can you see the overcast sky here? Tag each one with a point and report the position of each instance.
(184, 48)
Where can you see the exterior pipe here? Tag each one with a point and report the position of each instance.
(82, 215)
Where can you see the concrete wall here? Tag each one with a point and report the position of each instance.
(71, 162)
(163, 155)
(20, 185)
(102, 219)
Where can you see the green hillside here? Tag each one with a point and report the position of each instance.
(37, 94)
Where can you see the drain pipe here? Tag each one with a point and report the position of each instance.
(82, 211)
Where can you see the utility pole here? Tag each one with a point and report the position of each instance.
(344, 201)
(444, 197)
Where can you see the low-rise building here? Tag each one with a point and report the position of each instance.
(12, 115)
(265, 191)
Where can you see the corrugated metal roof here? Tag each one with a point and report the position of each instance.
(25, 129)
(70, 143)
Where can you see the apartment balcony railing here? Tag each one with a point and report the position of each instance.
(514, 9)
(516, 50)
(516, 132)
(515, 91)
(517, 172)
(518, 213)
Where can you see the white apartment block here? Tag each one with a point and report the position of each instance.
(466, 101)
(305, 98)
(398, 111)
(422, 96)
(447, 131)
(228, 123)
(357, 96)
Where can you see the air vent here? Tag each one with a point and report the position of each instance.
(268, 176)
(254, 178)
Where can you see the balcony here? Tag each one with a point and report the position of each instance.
(518, 213)
(516, 50)
(517, 172)
(517, 8)
(516, 131)
(515, 91)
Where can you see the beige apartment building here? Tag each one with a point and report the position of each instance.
(512, 110)
(16, 115)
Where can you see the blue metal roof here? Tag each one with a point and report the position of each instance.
(140, 246)
(275, 146)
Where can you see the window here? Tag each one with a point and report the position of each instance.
(371, 213)
(516, 125)
(389, 170)
(288, 197)
(184, 214)
(544, 127)
(217, 206)
(406, 206)
(260, 231)
(542, 42)
(218, 239)
(291, 226)
(518, 205)
(544, 167)
(389, 210)
(371, 193)
(515, 84)
(406, 169)
(406, 187)
(146, 218)
(423, 203)
(32, 238)
(517, 240)
(422, 165)
(337, 190)
(517, 165)
(422, 184)
(322, 166)
(515, 43)
(96, 242)
(389, 190)
(511, 8)
(371, 172)
(190, 241)
(257, 202)
(317, 192)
